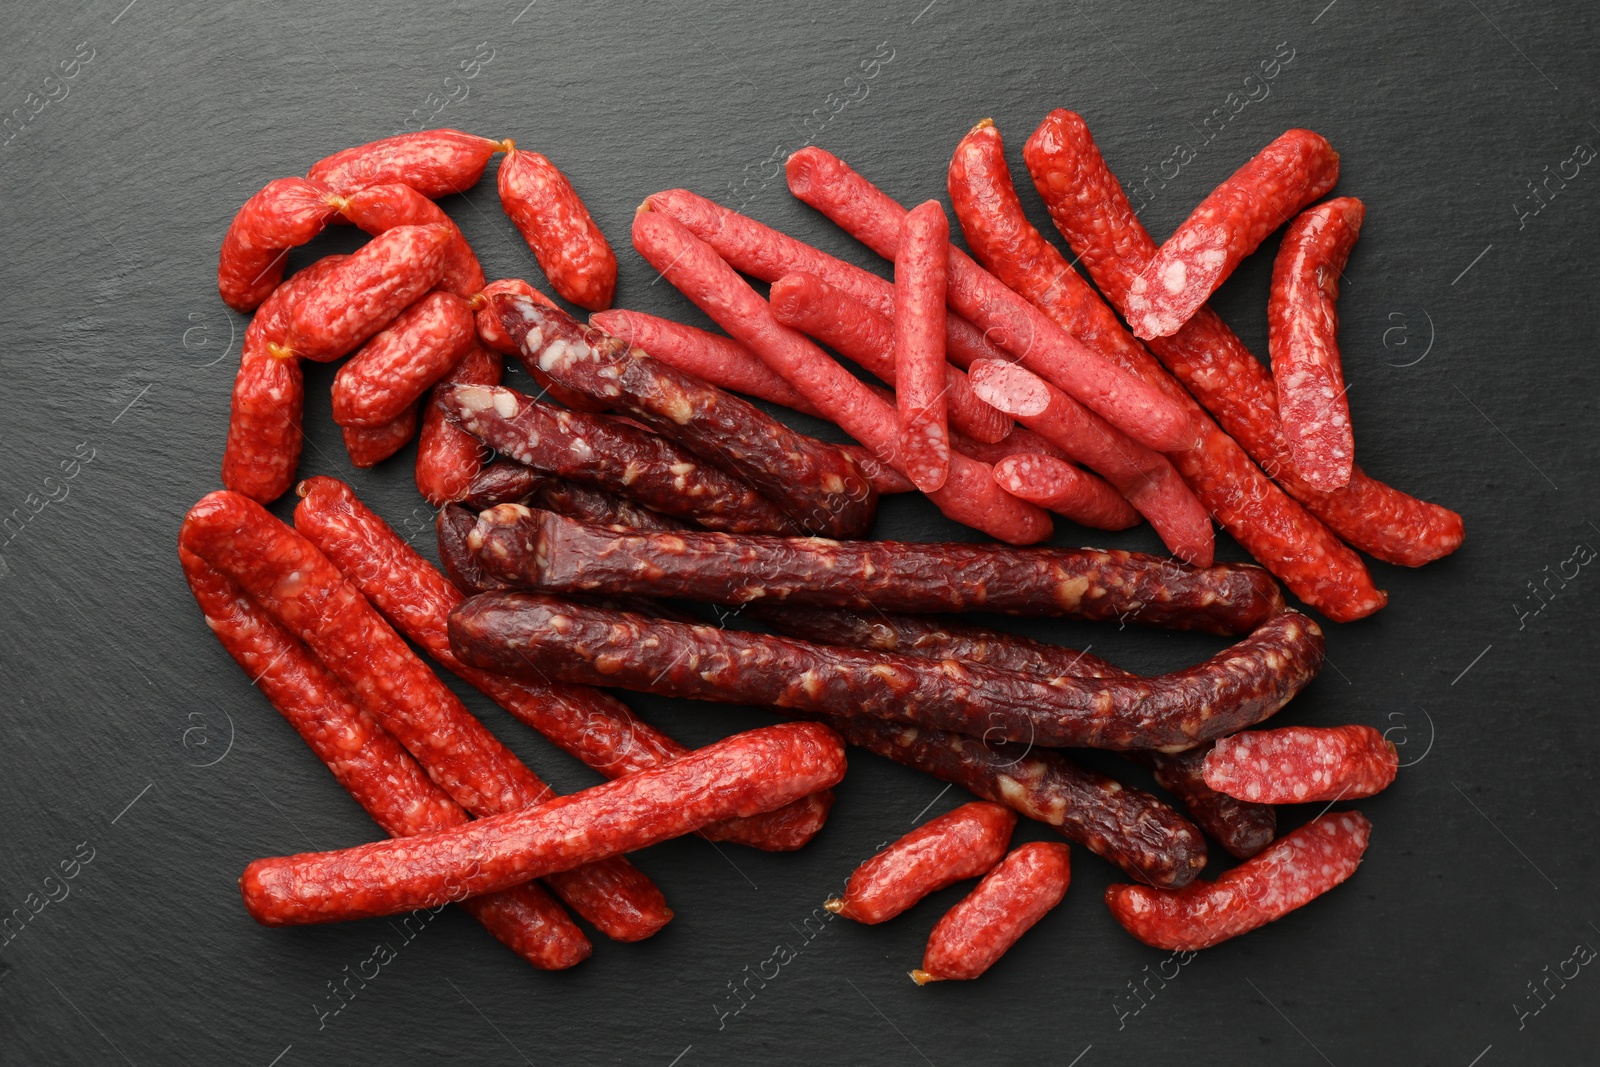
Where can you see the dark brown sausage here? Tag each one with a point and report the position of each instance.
(1122, 825)
(509, 482)
(1239, 826)
(813, 482)
(542, 551)
(523, 633)
(611, 454)
(931, 638)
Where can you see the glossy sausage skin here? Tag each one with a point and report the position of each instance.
(304, 591)
(1004, 906)
(379, 774)
(1089, 207)
(959, 844)
(743, 775)
(1298, 868)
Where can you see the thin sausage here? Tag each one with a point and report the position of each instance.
(919, 366)
(1013, 897)
(826, 183)
(969, 496)
(1278, 532)
(532, 635)
(1298, 868)
(549, 552)
(1142, 475)
(741, 776)
(957, 845)
(860, 334)
(1066, 490)
(1303, 341)
(719, 360)
(1230, 223)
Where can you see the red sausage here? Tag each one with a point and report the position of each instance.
(392, 371)
(381, 208)
(1298, 868)
(300, 588)
(959, 844)
(826, 183)
(1292, 544)
(371, 445)
(448, 457)
(1092, 212)
(417, 600)
(539, 550)
(811, 481)
(610, 454)
(570, 248)
(1303, 341)
(1064, 489)
(719, 360)
(286, 213)
(860, 334)
(1005, 905)
(919, 367)
(1228, 225)
(435, 163)
(1142, 475)
(365, 292)
(264, 424)
(529, 635)
(752, 248)
(743, 775)
(969, 496)
(1302, 764)
(368, 762)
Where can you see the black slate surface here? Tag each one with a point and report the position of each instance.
(137, 756)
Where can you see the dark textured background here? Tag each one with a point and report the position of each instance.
(1469, 339)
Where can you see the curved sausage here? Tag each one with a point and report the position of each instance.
(957, 845)
(526, 635)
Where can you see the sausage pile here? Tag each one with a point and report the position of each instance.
(575, 524)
